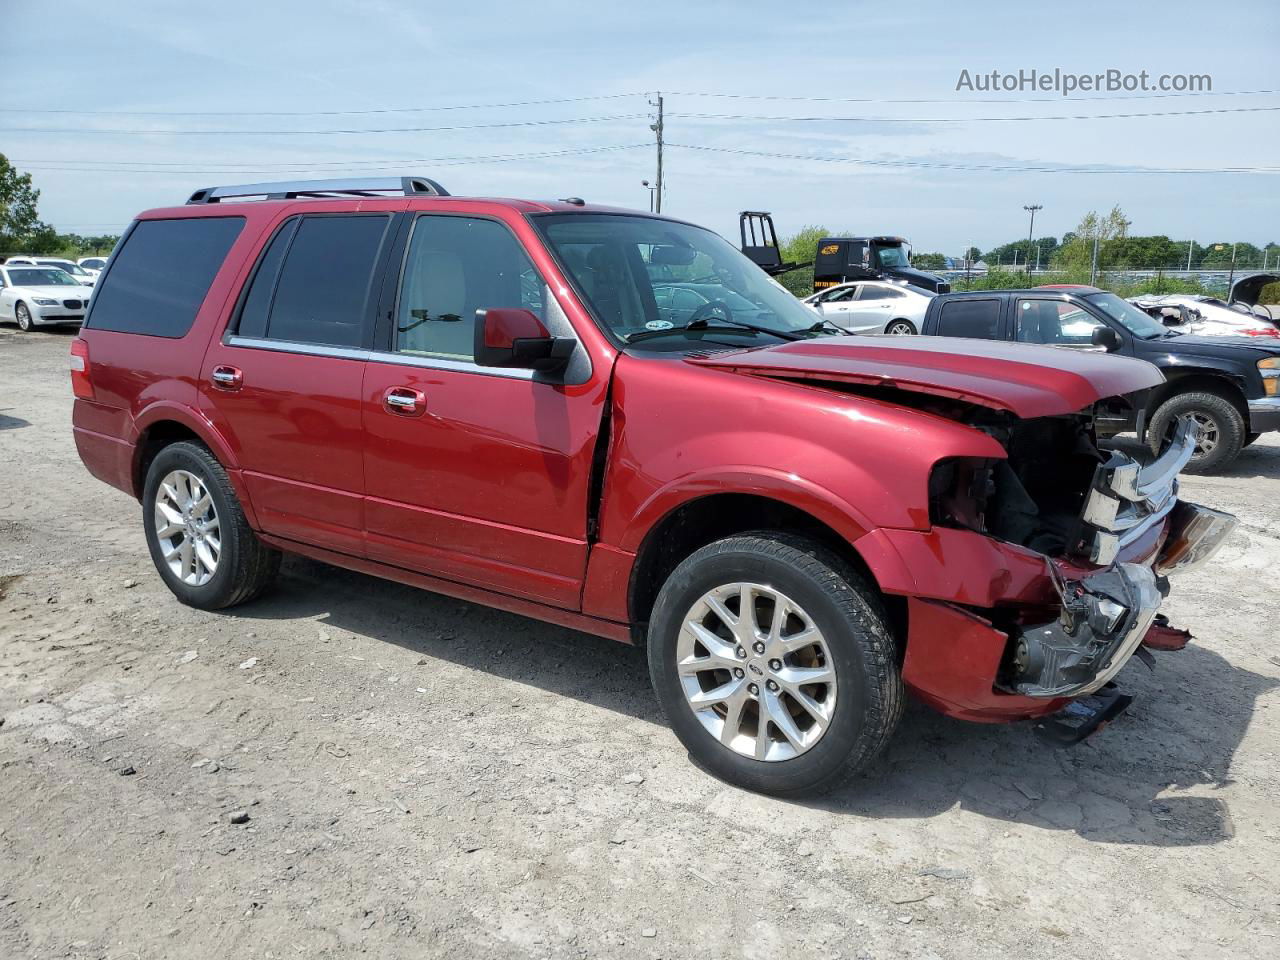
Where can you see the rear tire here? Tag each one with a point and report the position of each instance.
(1222, 428)
(197, 533)
(900, 328)
(856, 686)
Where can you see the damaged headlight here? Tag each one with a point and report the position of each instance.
(1103, 619)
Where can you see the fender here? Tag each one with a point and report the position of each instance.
(787, 488)
(162, 410)
(1222, 370)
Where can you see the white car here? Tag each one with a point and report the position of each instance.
(1204, 316)
(95, 265)
(80, 274)
(33, 296)
(873, 306)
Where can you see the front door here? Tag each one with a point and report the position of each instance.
(284, 384)
(474, 474)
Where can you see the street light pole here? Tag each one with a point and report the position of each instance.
(651, 189)
(1030, 231)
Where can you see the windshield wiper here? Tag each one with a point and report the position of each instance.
(823, 325)
(704, 323)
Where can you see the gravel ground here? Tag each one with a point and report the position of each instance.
(424, 777)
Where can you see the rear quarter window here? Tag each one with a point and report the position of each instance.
(161, 275)
(970, 318)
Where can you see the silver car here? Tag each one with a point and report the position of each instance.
(33, 296)
(873, 306)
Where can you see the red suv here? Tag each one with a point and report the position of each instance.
(616, 422)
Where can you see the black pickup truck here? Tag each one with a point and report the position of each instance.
(1230, 386)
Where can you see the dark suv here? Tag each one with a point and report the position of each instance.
(618, 423)
(1228, 387)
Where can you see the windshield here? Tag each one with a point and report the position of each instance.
(41, 277)
(94, 264)
(1129, 316)
(894, 255)
(647, 279)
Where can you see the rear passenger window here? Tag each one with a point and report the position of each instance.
(161, 275)
(970, 318)
(312, 284)
(454, 267)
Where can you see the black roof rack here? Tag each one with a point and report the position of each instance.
(292, 189)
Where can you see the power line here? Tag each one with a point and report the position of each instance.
(1004, 168)
(303, 167)
(333, 132)
(316, 113)
(1059, 99)
(1069, 116)
(619, 96)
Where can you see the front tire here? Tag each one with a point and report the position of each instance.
(197, 533)
(22, 313)
(1221, 428)
(774, 664)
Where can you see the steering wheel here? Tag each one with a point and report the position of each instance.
(704, 312)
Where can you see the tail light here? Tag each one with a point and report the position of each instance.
(81, 381)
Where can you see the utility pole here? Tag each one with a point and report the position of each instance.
(1191, 245)
(1030, 230)
(656, 127)
(1232, 278)
(1093, 267)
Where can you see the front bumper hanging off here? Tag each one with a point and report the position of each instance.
(1106, 616)
(967, 666)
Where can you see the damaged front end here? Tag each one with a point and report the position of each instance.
(1107, 529)
(1105, 616)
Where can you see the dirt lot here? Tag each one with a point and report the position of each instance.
(429, 778)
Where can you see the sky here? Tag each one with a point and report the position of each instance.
(134, 105)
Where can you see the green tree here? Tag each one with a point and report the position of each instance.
(801, 247)
(928, 261)
(1076, 253)
(18, 214)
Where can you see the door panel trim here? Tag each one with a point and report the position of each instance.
(379, 356)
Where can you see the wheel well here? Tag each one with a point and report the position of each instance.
(1220, 386)
(154, 439)
(697, 523)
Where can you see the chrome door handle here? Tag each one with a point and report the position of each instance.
(226, 377)
(405, 401)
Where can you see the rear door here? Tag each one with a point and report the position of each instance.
(978, 317)
(284, 382)
(476, 474)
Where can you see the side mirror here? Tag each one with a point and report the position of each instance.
(1106, 338)
(515, 337)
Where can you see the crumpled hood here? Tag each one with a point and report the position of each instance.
(1026, 380)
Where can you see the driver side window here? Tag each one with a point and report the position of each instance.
(455, 266)
(1055, 323)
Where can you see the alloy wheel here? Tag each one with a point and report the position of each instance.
(24, 317)
(900, 329)
(1208, 434)
(187, 527)
(756, 671)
